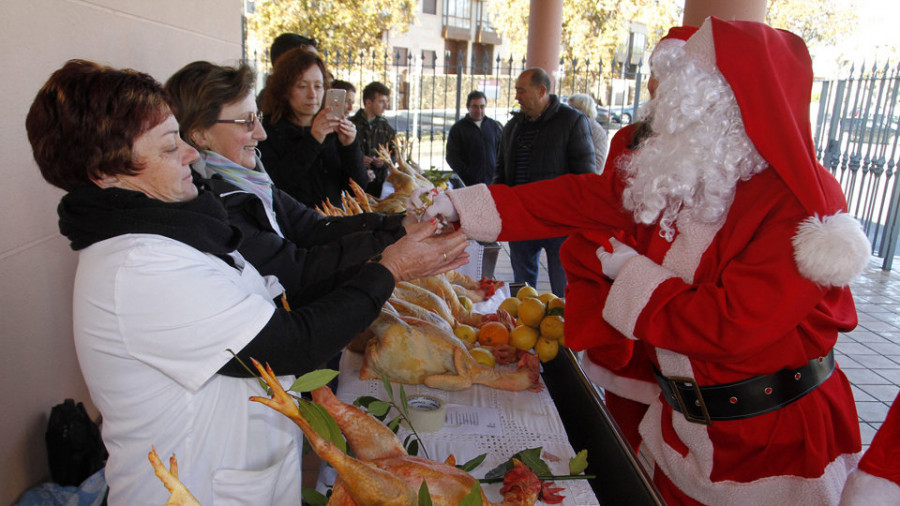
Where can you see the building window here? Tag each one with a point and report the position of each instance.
(429, 59)
(429, 6)
(401, 56)
(457, 13)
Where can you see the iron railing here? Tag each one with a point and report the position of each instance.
(856, 137)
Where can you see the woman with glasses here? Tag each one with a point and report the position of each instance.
(161, 296)
(311, 153)
(310, 254)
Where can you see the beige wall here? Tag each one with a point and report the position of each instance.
(38, 368)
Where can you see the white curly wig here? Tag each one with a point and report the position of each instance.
(698, 150)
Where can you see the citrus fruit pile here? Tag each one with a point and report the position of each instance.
(539, 322)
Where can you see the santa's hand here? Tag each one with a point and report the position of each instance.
(429, 204)
(613, 262)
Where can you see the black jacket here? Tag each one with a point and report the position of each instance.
(307, 170)
(316, 254)
(472, 151)
(563, 145)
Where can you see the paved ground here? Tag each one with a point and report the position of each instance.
(869, 355)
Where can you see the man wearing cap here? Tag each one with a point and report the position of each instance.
(728, 261)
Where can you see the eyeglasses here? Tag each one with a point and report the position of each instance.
(249, 121)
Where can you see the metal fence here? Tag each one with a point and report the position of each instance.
(855, 119)
(856, 137)
(428, 92)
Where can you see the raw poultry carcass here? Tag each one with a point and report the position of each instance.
(413, 351)
(383, 473)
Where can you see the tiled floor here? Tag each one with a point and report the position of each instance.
(869, 355)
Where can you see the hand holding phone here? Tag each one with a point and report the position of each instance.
(334, 100)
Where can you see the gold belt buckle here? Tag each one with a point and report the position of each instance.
(676, 392)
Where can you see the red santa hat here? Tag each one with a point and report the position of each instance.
(771, 70)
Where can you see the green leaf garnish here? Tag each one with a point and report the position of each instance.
(473, 498)
(313, 497)
(578, 463)
(313, 380)
(424, 496)
(472, 464)
(322, 422)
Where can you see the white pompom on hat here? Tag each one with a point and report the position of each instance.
(771, 70)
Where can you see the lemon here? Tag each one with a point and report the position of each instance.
(532, 311)
(546, 349)
(547, 297)
(466, 302)
(523, 337)
(527, 292)
(511, 306)
(552, 327)
(466, 332)
(556, 306)
(483, 356)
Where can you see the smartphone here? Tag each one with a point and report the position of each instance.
(334, 99)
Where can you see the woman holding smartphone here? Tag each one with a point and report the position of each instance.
(311, 152)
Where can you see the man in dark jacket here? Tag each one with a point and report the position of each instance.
(473, 142)
(545, 140)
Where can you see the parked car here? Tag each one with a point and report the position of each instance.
(622, 114)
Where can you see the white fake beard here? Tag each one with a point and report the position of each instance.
(698, 151)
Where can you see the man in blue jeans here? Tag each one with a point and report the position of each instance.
(545, 140)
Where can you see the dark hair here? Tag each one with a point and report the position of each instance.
(539, 78)
(375, 88)
(275, 104)
(199, 91)
(287, 41)
(343, 85)
(474, 96)
(84, 120)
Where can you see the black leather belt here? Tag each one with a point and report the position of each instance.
(746, 398)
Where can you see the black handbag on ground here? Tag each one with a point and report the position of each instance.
(75, 450)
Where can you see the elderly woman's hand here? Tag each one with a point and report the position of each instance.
(421, 253)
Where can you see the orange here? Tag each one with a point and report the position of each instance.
(532, 311)
(523, 337)
(493, 333)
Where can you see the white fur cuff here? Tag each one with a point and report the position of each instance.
(864, 489)
(478, 214)
(832, 251)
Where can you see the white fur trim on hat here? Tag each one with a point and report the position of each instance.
(864, 489)
(832, 251)
(701, 48)
(478, 215)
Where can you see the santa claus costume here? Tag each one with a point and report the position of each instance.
(730, 269)
(877, 480)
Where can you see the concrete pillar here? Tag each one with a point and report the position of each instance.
(544, 34)
(695, 11)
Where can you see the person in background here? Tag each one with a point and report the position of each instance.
(161, 298)
(725, 249)
(545, 140)
(374, 131)
(584, 103)
(473, 143)
(282, 44)
(309, 153)
(310, 254)
(350, 101)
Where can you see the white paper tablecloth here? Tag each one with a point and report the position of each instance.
(527, 420)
